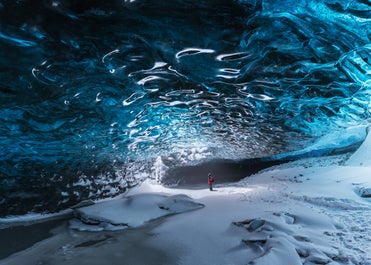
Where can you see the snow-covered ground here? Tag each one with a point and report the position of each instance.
(313, 211)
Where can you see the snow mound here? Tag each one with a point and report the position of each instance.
(131, 211)
(283, 238)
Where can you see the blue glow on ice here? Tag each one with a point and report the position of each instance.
(94, 92)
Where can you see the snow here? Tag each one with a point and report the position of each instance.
(131, 211)
(362, 157)
(312, 211)
(295, 216)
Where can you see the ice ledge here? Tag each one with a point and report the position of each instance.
(362, 157)
(131, 211)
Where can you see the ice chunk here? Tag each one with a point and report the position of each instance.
(362, 157)
(357, 65)
(131, 211)
(364, 192)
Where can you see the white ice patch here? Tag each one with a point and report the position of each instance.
(158, 169)
(131, 211)
(362, 157)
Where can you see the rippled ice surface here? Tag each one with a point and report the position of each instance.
(93, 92)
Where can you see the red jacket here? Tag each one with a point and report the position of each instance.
(210, 180)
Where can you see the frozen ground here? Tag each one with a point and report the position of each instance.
(314, 211)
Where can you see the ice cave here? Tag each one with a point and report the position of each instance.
(112, 113)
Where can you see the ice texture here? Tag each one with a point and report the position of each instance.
(93, 93)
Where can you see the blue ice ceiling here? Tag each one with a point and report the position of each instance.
(93, 92)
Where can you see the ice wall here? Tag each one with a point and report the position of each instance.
(92, 93)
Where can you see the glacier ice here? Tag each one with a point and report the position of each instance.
(93, 93)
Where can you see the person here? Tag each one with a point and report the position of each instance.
(210, 181)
